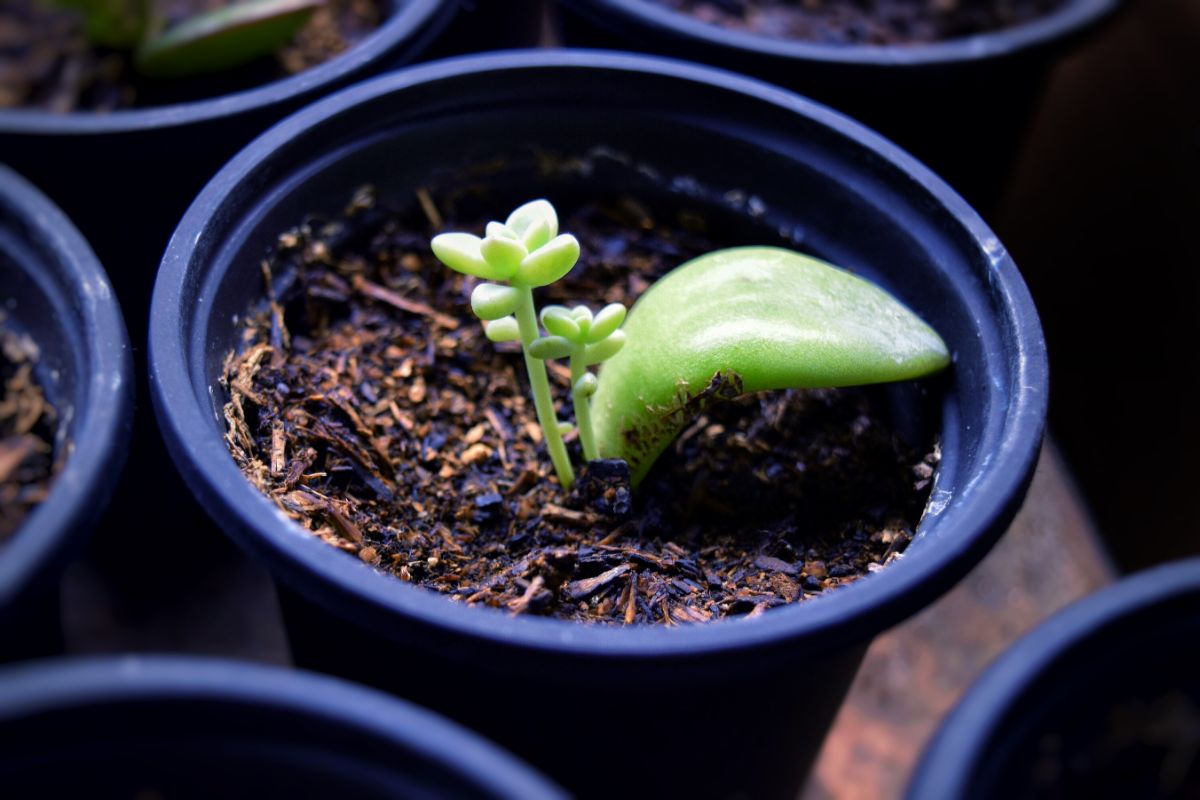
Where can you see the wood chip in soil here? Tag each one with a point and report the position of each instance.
(27, 463)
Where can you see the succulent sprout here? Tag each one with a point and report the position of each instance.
(515, 257)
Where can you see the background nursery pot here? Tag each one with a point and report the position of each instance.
(189, 727)
(126, 176)
(56, 292)
(960, 105)
(709, 710)
(1102, 700)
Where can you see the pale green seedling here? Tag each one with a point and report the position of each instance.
(525, 251)
(210, 41)
(586, 339)
(744, 320)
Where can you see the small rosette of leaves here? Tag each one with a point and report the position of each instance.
(513, 258)
(586, 339)
(526, 250)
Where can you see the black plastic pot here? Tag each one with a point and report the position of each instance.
(960, 105)
(127, 176)
(55, 291)
(1111, 670)
(203, 728)
(701, 711)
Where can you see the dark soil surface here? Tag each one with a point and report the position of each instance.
(47, 63)
(873, 22)
(27, 464)
(368, 404)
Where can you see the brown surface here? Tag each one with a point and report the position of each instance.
(915, 673)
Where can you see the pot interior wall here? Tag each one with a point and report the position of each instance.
(756, 191)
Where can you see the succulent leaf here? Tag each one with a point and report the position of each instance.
(586, 385)
(604, 349)
(491, 301)
(558, 320)
(770, 317)
(504, 329)
(461, 253)
(498, 230)
(549, 262)
(224, 37)
(504, 255)
(607, 320)
(532, 212)
(536, 235)
(549, 347)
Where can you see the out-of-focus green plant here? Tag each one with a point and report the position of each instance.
(585, 339)
(207, 42)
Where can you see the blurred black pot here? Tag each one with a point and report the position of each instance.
(1101, 701)
(960, 105)
(55, 291)
(117, 728)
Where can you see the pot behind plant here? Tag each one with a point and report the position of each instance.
(125, 178)
(56, 293)
(961, 105)
(736, 706)
(201, 728)
(1102, 700)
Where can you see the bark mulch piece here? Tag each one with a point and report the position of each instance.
(46, 61)
(367, 403)
(27, 464)
(877, 22)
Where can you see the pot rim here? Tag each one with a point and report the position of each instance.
(1073, 17)
(341, 580)
(102, 421)
(948, 767)
(411, 18)
(56, 685)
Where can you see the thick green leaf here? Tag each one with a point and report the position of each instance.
(503, 254)
(462, 252)
(505, 329)
(604, 349)
(492, 301)
(744, 320)
(559, 321)
(549, 347)
(532, 213)
(586, 385)
(549, 262)
(608, 319)
(224, 38)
